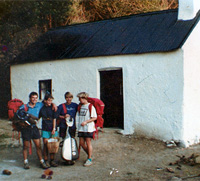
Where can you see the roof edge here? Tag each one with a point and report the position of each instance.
(119, 18)
(196, 20)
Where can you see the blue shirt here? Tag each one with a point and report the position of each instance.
(71, 110)
(35, 110)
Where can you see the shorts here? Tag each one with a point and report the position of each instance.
(29, 133)
(47, 134)
(85, 134)
(62, 132)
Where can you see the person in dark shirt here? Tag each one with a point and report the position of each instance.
(48, 127)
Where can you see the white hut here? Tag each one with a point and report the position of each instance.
(146, 68)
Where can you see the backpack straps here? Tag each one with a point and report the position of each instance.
(58, 120)
(96, 131)
(25, 107)
(90, 108)
(64, 108)
(79, 108)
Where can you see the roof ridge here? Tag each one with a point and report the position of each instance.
(119, 18)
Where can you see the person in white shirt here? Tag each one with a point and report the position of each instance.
(85, 117)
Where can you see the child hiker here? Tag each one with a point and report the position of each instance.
(48, 128)
(85, 125)
(69, 110)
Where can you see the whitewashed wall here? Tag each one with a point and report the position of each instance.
(188, 9)
(191, 105)
(153, 87)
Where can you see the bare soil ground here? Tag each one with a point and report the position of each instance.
(116, 157)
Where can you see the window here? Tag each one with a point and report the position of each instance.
(44, 87)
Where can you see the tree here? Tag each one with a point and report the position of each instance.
(52, 14)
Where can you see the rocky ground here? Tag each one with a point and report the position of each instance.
(116, 157)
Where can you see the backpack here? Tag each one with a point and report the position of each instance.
(18, 118)
(13, 106)
(99, 106)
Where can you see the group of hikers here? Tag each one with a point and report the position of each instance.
(49, 113)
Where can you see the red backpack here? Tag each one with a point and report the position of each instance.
(13, 106)
(99, 106)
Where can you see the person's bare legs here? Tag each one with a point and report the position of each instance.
(25, 153)
(37, 143)
(38, 148)
(82, 144)
(89, 147)
(45, 150)
(25, 149)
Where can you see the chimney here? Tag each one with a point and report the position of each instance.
(188, 9)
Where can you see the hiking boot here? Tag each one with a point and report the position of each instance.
(47, 164)
(26, 166)
(87, 163)
(53, 163)
(43, 165)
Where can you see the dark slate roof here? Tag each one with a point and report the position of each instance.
(135, 34)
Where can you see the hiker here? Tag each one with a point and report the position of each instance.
(67, 109)
(85, 125)
(48, 116)
(32, 132)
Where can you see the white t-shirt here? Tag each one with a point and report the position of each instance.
(84, 115)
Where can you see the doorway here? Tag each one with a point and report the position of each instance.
(111, 88)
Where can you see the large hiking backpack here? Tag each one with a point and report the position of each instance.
(18, 120)
(99, 106)
(18, 117)
(13, 106)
